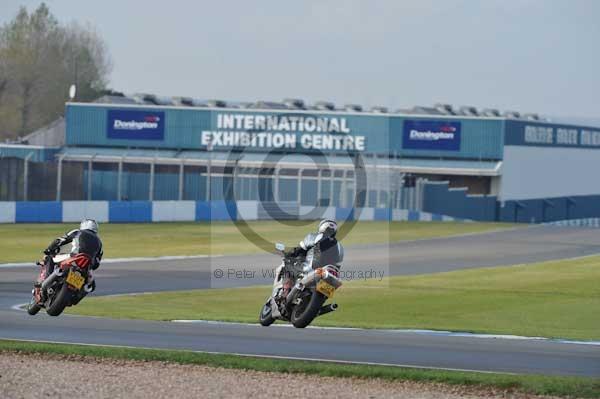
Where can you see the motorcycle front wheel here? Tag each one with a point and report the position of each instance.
(265, 318)
(304, 313)
(33, 307)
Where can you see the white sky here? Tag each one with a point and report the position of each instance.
(527, 55)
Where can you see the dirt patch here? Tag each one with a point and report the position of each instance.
(38, 376)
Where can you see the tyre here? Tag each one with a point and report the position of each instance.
(60, 301)
(32, 307)
(304, 313)
(265, 318)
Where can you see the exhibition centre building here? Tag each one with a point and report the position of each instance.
(285, 156)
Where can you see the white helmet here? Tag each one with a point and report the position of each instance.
(89, 224)
(328, 227)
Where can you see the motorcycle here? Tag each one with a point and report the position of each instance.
(66, 285)
(301, 304)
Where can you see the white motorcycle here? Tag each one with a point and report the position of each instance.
(301, 304)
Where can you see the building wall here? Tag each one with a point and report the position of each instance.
(541, 172)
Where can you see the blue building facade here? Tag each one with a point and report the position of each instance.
(470, 167)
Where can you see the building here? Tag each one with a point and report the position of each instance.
(463, 163)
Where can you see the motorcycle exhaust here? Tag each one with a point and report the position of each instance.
(51, 278)
(89, 286)
(327, 309)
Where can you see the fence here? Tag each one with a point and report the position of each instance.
(23, 180)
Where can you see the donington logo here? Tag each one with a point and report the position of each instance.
(431, 135)
(125, 124)
(149, 122)
(444, 133)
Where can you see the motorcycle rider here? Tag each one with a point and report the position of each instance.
(317, 250)
(84, 240)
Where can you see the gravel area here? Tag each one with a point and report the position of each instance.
(41, 376)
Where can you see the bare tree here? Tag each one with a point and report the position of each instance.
(40, 59)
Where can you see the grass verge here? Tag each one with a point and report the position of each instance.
(21, 242)
(557, 299)
(532, 384)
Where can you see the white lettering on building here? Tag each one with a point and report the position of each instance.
(539, 134)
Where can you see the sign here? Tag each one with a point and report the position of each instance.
(282, 131)
(431, 135)
(135, 125)
(551, 135)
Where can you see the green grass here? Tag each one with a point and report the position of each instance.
(531, 384)
(24, 242)
(559, 299)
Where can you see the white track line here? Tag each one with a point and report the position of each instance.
(21, 307)
(408, 331)
(270, 356)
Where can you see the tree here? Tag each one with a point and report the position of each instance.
(39, 60)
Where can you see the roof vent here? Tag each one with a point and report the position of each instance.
(325, 106)
(268, 105)
(187, 101)
(378, 109)
(294, 103)
(468, 110)
(511, 114)
(444, 109)
(531, 117)
(353, 107)
(490, 112)
(216, 103)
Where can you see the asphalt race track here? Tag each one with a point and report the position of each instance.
(415, 349)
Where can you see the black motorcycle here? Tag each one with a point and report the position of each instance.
(301, 303)
(63, 281)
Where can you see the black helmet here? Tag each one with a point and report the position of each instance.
(327, 227)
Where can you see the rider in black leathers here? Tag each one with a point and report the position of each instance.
(84, 240)
(316, 250)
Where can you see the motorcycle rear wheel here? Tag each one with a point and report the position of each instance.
(302, 315)
(60, 302)
(265, 317)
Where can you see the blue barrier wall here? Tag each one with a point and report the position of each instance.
(438, 198)
(171, 211)
(550, 209)
(38, 211)
(130, 211)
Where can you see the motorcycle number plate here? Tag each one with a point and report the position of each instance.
(75, 280)
(325, 288)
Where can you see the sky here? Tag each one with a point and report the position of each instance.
(525, 55)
